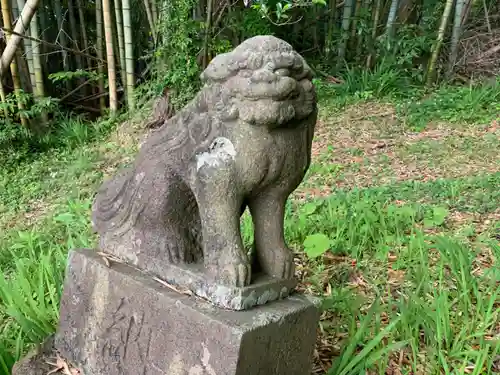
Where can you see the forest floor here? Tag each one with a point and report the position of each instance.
(396, 228)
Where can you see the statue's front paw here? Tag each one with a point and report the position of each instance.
(285, 266)
(278, 263)
(235, 275)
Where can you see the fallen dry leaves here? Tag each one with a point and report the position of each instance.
(369, 145)
(61, 366)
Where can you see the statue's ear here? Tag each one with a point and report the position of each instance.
(216, 70)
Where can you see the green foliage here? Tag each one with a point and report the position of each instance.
(32, 265)
(469, 104)
(316, 244)
(63, 76)
(176, 55)
(402, 53)
(278, 12)
(382, 81)
(246, 23)
(32, 110)
(373, 352)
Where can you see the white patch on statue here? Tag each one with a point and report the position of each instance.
(221, 150)
(196, 370)
(206, 361)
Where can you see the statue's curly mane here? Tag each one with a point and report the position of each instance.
(118, 202)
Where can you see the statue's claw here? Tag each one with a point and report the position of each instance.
(236, 275)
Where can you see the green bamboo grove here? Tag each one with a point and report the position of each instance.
(91, 55)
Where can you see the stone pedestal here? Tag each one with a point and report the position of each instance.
(115, 320)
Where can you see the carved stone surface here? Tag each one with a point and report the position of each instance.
(244, 141)
(117, 321)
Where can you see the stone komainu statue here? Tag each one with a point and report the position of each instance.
(244, 140)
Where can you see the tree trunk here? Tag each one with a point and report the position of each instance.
(100, 53)
(14, 40)
(346, 21)
(121, 43)
(129, 53)
(83, 30)
(29, 48)
(455, 37)
(439, 41)
(314, 27)
(37, 61)
(154, 13)
(108, 33)
(391, 19)
(44, 24)
(331, 27)
(3, 98)
(208, 30)
(74, 33)
(150, 19)
(354, 23)
(7, 22)
(21, 61)
(85, 41)
(62, 38)
(376, 18)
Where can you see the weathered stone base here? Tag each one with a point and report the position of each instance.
(263, 289)
(118, 321)
(191, 277)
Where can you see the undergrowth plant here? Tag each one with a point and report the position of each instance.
(175, 57)
(476, 103)
(32, 264)
(439, 309)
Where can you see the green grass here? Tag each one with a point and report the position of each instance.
(408, 270)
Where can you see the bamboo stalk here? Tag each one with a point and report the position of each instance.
(455, 37)
(61, 33)
(29, 48)
(21, 60)
(129, 53)
(43, 24)
(154, 12)
(331, 27)
(74, 32)
(87, 63)
(4, 100)
(37, 61)
(208, 28)
(376, 17)
(13, 64)
(121, 42)
(391, 19)
(439, 41)
(150, 19)
(17, 35)
(108, 34)
(346, 21)
(100, 52)
(39, 91)
(354, 23)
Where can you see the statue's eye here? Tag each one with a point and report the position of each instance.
(282, 72)
(293, 95)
